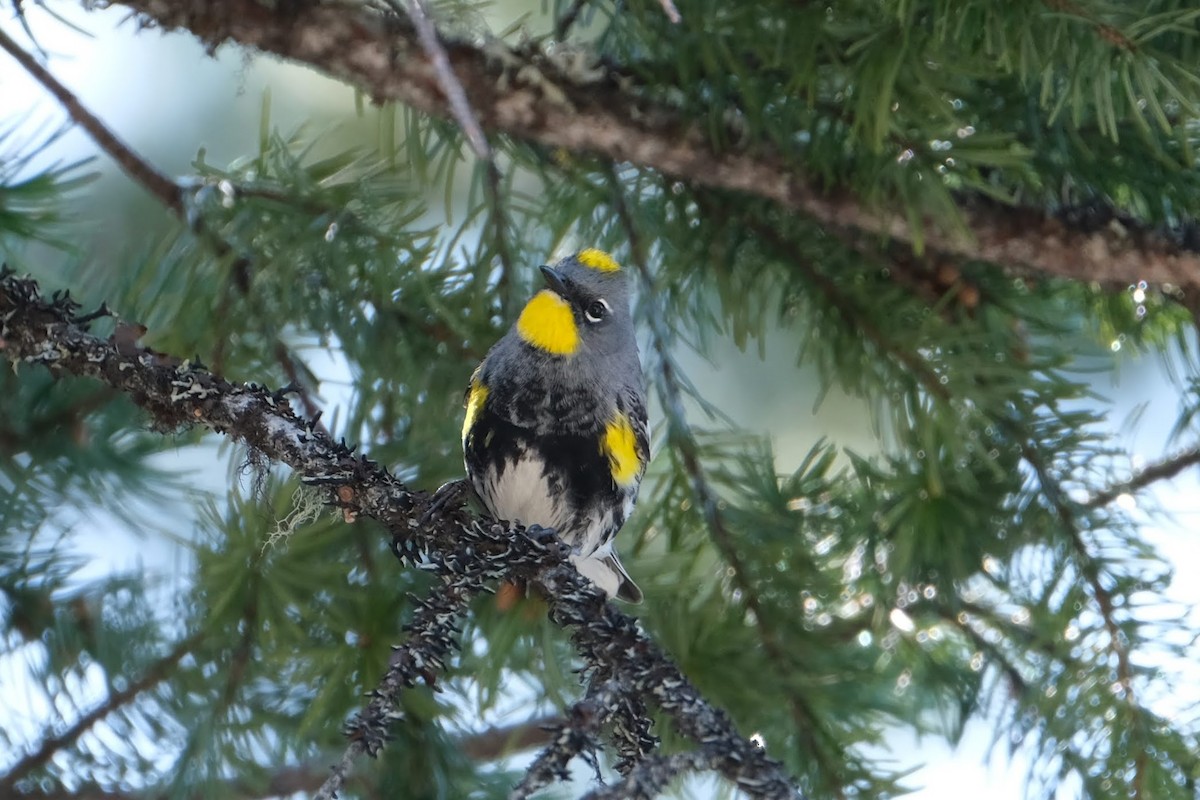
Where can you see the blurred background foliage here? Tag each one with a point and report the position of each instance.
(882, 500)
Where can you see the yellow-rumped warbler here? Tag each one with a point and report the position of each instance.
(555, 432)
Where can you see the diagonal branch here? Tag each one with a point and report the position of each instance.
(166, 191)
(525, 96)
(464, 116)
(448, 82)
(1064, 511)
(679, 433)
(422, 657)
(160, 186)
(467, 551)
(576, 736)
(287, 780)
(155, 674)
(1162, 470)
(652, 777)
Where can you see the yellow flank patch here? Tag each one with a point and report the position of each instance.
(476, 396)
(620, 445)
(598, 260)
(548, 324)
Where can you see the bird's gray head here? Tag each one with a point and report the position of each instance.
(584, 311)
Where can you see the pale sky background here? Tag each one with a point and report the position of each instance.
(166, 98)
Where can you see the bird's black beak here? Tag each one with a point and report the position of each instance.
(555, 281)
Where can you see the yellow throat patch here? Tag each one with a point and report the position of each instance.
(598, 260)
(620, 445)
(548, 324)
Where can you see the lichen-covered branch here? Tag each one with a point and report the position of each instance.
(524, 95)
(433, 633)
(468, 552)
(651, 777)
(576, 736)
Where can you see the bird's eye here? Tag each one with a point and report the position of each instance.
(597, 310)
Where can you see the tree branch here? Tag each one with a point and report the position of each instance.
(1162, 470)
(467, 551)
(448, 82)
(651, 777)
(422, 657)
(160, 186)
(679, 432)
(526, 96)
(485, 745)
(1064, 511)
(169, 193)
(575, 736)
(155, 674)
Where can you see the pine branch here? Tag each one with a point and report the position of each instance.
(162, 188)
(483, 746)
(651, 777)
(1030, 453)
(1163, 470)
(155, 674)
(422, 657)
(575, 736)
(1087, 565)
(679, 432)
(495, 200)
(464, 116)
(467, 551)
(548, 108)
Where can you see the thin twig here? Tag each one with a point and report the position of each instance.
(1163, 470)
(563, 25)
(464, 115)
(504, 284)
(292, 370)
(449, 83)
(152, 180)
(679, 433)
(1066, 514)
(575, 736)
(19, 12)
(155, 674)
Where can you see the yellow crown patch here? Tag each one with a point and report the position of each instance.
(548, 324)
(598, 260)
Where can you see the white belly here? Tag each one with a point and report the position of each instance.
(521, 494)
